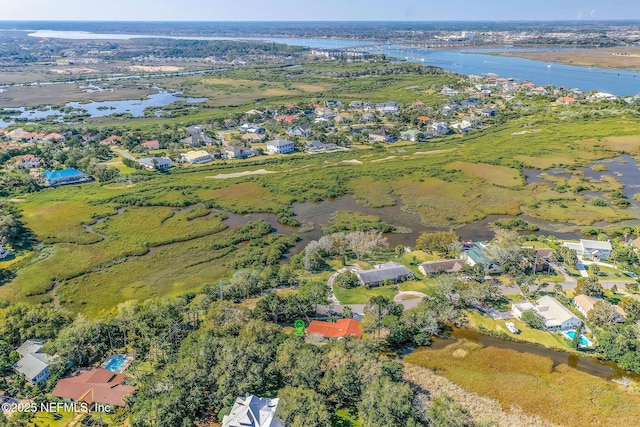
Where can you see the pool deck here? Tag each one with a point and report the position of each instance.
(125, 364)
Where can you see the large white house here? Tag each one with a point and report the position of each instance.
(280, 146)
(253, 411)
(197, 157)
(593, 249)
(555, 316)
(33, 364)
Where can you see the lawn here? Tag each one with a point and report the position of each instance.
(478, 320)
(417, 286)
(560, 394)
(361, 295)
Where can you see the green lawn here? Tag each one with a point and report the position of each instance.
(361, 295)
(478, 320)
(417, 286)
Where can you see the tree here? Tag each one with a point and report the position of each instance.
(532, 319)
(589, 286)
(385, 403)
(577, 337)
(347, 280)
(632, 308)
(315, 292)
(442, 242)
(506, 252)
(446, 412)
(594, 269)
(602, 314)
(376, 309)
(631, 287)
(364, 242)
(347, 312)
(270, 308)
(302, 407)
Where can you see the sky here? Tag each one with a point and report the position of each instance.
(318, 10)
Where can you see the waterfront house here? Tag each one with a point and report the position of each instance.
(155, 163)
(474, 254)
(196, 157)
(237, 152)
(382, 135)
(584, 304)
(591, 249)
(65, 176)
(280, 146)
(554, 315)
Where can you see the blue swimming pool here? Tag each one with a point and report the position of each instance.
(115, 362)
(584, 342)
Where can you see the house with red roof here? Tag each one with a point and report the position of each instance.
(111, 140)
(565, 100)
(286, 119)
(95, 385)
(27, 161)
(423, 119)
(342, 328)
(151, 145)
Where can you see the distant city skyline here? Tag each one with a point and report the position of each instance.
(326, 10)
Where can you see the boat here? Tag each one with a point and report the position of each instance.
(3, 253)
(512, 328)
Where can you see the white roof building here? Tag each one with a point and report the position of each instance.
(555, 316)
(591, 249)
(253, 411)
(197, 157)
(33, 364)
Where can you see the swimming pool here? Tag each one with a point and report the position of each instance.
(584, 342)
(114, 363)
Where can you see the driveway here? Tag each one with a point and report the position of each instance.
(123, 153)
(417, 297)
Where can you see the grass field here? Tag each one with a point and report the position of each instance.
(448, 181)
(361, 295)
(560, 394)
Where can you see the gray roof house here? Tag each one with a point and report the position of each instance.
(441, 266)
(33, 364)
(157, 163)
(253, 411)
(391, 271)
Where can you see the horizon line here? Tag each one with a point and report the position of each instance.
(586, 21)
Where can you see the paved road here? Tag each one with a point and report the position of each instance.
(123, 153)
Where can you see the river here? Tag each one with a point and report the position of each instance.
(463, 61)
(604, 369)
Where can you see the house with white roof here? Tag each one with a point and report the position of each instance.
(280, 146)
(33, 364)
(157, 163)
(197, 157)
(253, 411)
(555, 316)
(592, 249)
